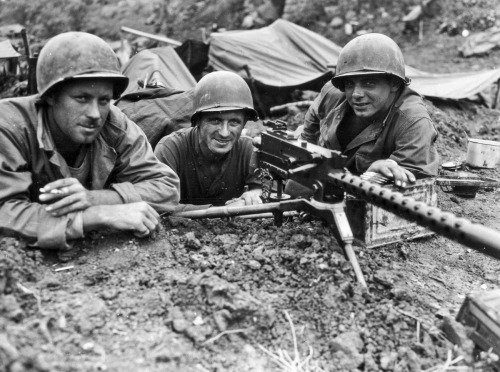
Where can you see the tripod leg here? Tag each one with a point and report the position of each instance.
(343, 233)
(355, 265)
(278, 218)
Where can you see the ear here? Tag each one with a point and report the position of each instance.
(395, 84)
(50, 99)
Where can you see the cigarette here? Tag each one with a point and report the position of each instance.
(64, 268)
(53, 191)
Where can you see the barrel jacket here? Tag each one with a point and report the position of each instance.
(406, 135)
(121, 160)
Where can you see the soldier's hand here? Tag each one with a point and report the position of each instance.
(138, 217)
(390, 169)
(250, 197)
(64, 196)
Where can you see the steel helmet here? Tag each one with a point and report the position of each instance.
(370, 54)
(222, 91)
(77, 55)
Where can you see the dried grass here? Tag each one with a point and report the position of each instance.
(283, 359)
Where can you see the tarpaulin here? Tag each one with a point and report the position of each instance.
(481, 43)
(456, 86)
(286, 55)
(162, 65)
(7, 50)
(280, 55)
(158, 111)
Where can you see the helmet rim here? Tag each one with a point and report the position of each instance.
(78, 55)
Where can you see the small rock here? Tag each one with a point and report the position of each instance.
(442, 313)
(336, 22)
(109, 294)
(349, 342)
(388, 359)
(253, 264)
(196, 258)
(299, 241)
(384, 277)
(198, 333)
(401, 293)
(192, 242)
(180, 325)
(50, 282)
(10, 308)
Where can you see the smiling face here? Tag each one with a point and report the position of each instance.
(78, 111)
(220, 130)
(370, 96)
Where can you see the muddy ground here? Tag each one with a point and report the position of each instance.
(245, 295)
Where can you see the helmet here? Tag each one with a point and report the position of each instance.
(77, 55)
(222, 91)
(370, 54)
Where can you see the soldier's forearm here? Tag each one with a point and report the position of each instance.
(105, 197)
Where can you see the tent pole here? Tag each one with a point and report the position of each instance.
(495, 103)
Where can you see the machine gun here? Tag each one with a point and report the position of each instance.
(321, 172)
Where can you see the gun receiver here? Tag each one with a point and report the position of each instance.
(321, 171)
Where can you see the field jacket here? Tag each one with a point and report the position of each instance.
(121, 160)
(181, 151)
(407, 135)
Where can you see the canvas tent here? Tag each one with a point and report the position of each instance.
(161, 64)
(285, 55)
(8, 57)
(7, 50)
(280, 55)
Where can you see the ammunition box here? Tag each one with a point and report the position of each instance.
(482, 313)
(373, 226)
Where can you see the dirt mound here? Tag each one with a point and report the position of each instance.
(215, 295)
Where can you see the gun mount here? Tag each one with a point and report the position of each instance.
(320, 172)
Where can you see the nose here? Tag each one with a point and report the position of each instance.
(93, 110)
(357, 91)
(224, 129)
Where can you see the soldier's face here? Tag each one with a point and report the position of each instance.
(79, 110)
(219, 131)
(370, 96)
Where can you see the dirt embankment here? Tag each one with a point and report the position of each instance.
(243, 295)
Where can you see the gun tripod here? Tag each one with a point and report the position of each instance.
(332, 213)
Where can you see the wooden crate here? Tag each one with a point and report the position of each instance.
(482, 313)
(374, 227)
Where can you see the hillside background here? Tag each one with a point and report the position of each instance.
(338, 20)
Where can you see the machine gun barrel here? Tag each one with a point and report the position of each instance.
(473, 235)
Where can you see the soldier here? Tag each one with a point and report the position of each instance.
(369, 114)
(211, 158)
(71, 162)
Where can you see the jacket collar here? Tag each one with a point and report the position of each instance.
(373, 131)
